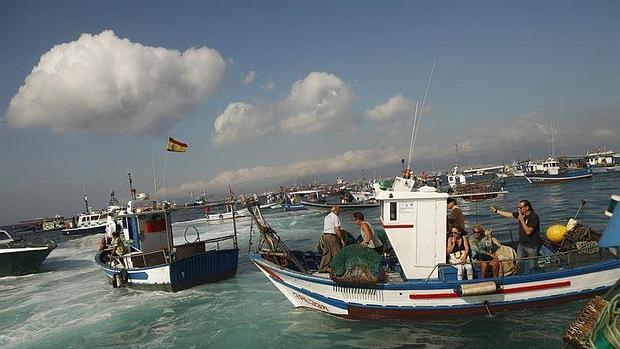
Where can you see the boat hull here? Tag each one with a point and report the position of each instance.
(207, 267)
(22, 261)
(561, 177)
(343, 207)
(294, 207)
(85, 231)
(438, 298)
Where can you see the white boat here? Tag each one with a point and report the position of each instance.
(420, 284)
(550, 170)
(89, 223)
(226, 215)
(603, 161)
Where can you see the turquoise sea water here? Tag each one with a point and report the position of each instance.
(70, 304)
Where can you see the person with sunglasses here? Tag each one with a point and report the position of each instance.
(529, 234)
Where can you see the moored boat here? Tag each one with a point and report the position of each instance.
(418, 283)
(21, 257)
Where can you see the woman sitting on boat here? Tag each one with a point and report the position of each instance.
(483, 248)
(458, 253)
(369, 238)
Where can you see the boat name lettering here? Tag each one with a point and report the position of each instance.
(311, 302)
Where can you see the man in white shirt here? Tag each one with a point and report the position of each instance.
(333, 239)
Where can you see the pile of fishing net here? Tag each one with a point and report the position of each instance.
(478, 187)
(580, 237)
(597, 326)
(356, 266)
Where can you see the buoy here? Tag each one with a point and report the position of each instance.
(555, 233)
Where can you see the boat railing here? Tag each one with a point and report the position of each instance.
(587, 255)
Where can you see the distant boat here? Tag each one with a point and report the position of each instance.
(294, 207)
(155, 262)
(349, 206)
(20, 257)
(89, 224)
(551, 171)
(211, 216)
(603, 161)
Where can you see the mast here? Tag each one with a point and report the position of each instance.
(132, 191)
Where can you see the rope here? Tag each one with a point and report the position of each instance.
(607, 326)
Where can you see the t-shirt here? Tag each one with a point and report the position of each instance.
(532, 221)
(330, 223)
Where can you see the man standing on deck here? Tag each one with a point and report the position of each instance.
(456, 214)
(333, 239)
(529, 234)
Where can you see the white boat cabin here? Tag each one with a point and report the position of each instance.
(94, 219)
(415, 223)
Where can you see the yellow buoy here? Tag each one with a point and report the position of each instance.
(555, 233)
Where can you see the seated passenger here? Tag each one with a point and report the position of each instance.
(483, 247)
(458, 253)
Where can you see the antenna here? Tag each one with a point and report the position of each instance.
(417, 117)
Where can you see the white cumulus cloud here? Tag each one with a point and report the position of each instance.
(318, 102)
(104, 83)
(240, 121)
(350, 160)
(396, 106)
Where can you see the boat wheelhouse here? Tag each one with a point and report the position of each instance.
(418, 282)
(156, 261)
(603, 161)
(21, 257)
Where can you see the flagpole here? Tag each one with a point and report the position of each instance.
(154, 178)
(164, 179)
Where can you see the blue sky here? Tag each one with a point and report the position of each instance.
(267, 93)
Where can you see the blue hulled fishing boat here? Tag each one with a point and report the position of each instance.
(154, 261)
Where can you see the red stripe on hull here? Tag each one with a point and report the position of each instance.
(423, 314)
(268, 271)
(500, 291)
(397, 225)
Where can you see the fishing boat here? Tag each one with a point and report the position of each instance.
(225, 215)
(347, 206)
(602, 161)
(156, 262)
(89, 223)
(418, 283)
(21, 257)
(551, 170)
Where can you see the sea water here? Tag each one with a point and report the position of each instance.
(71, 304)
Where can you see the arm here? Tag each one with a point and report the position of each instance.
(504, 214)
(526, 228)
(449, 246)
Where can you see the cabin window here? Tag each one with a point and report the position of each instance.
(382, 211)
(4, 236)
(392, 211)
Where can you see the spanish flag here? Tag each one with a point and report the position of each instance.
(176, 146)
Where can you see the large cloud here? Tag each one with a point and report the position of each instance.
(318, 102)
(240, 121)
(395, 107)
(350, 160)
(103, 83)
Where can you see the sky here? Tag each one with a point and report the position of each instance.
(270, 93)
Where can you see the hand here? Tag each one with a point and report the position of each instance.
(493, 209)
(521, 216)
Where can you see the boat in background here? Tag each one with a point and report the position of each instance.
(551, 170)
(95, 221)
(347, 206)
(21, 257)
(603, 161)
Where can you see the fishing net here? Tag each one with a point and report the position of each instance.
(356, 265)
(575, 238)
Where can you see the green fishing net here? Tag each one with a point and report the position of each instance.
(357, 264)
